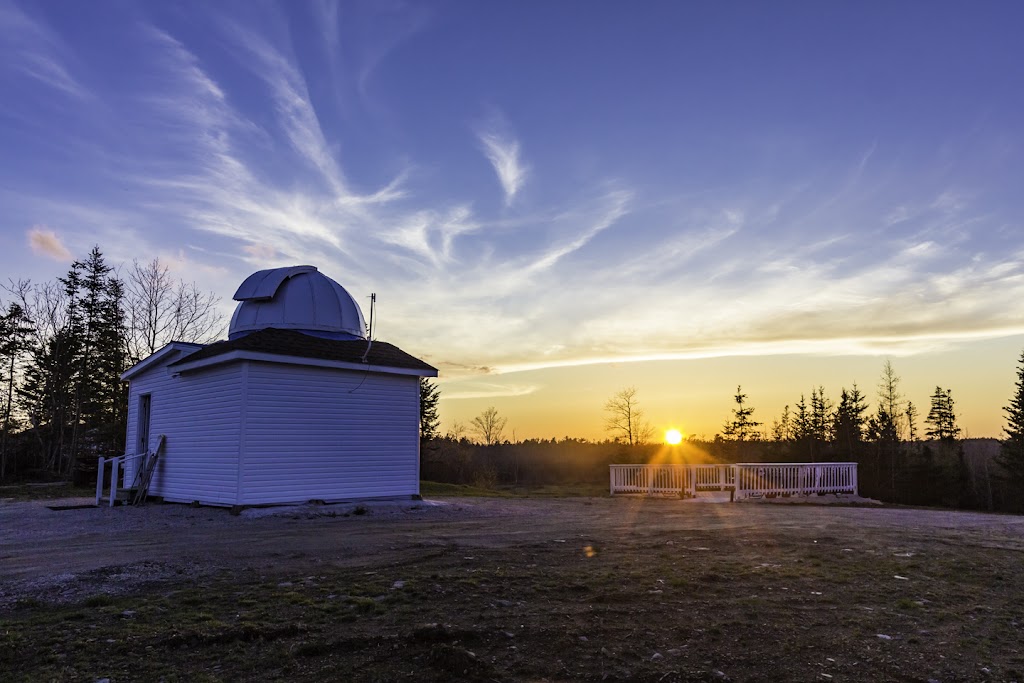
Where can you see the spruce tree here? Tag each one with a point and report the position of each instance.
(44, 394)
(782, 429)
(96, 328)
(1011, 451)
(430, 395)
(849, 423)
(14, 342)
(802, 429)
(911, 415)
(821, 422)
(941, 418)
(741, 427)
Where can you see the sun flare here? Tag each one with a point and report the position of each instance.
(673, 437)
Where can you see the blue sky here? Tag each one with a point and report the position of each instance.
(531, 185)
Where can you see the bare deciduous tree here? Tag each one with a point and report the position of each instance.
(161, 309)
(46, 305)
(489, 427)
(625, 419)
(457, 432)
(890, 402)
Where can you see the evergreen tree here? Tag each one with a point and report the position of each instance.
(849, 423)
(882, 427)
(741, 427)
(802, 430)
(782, 429)
(100, 324)
(911, 415)
(430, 395)
(801, 419)
(49, 380)
(1011, 451)
(72, 389)
(14, 343)
(941, 418)
(111, 359)
(820, 422)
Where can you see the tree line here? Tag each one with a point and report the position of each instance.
(63, 346)
(902, 457)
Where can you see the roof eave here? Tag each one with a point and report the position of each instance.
(157, 356)
(240, 355)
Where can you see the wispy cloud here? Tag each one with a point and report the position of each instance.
(45, 242)
(223, 190)
(502, 150)
(618, 202)
(468, 389)
(296, 113)
(430, 234)
(32, 48)
(601, 272)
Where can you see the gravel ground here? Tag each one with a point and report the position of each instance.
(511, 589)
(62, 555)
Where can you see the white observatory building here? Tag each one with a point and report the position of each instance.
(296, 405)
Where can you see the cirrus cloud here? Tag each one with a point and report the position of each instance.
(502, 150)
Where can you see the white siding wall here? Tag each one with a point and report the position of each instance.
(200, 415)
(309, 436)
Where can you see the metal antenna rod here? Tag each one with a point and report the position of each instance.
(369, 336)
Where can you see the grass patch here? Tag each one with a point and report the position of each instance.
(559, 491)
(758, 600)
(98, 600)
(440, 490)
(526, 614)
(45, 491)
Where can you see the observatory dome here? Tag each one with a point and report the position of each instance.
(296, 298)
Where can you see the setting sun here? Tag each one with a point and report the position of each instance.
(673, 437)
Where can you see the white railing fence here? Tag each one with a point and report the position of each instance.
(142, 474)
(117, 464)
(650, 478)
(744, 480)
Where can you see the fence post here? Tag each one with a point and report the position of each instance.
(99, 479)
(114, 464)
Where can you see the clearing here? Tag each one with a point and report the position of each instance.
(506, 589)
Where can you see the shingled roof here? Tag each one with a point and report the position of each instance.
(296, 344)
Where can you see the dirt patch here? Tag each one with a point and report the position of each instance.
(523, 589)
